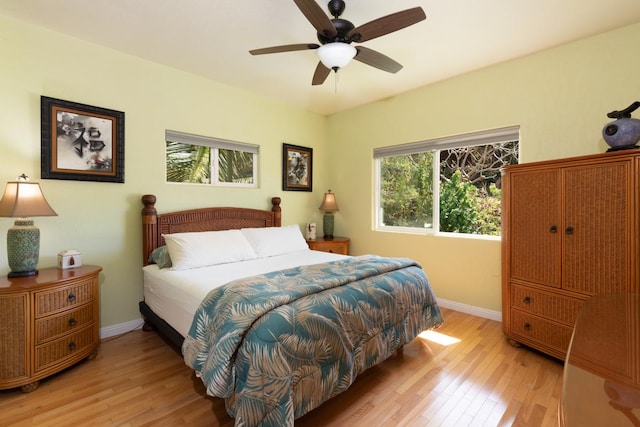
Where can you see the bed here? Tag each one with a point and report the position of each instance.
(274, 328)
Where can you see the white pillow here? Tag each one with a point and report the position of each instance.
(272, 241)
(200, 249)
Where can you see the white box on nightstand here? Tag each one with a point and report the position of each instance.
(69, 259)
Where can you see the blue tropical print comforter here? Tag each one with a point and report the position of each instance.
(276, 346)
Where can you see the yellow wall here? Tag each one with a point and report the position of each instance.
(559, 98)
(102, 220)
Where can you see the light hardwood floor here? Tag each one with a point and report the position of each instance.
(138, 380)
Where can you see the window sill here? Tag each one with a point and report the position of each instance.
(431, 232)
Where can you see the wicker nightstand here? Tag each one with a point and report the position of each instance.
(48, 322)
(337, 245)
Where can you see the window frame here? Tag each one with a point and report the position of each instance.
(215, 145)
(486, 137)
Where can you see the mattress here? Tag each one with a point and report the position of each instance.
(176, 295)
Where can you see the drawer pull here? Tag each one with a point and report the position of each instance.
(71, 297)
(527, 300)
(527, 326)
(72, 346)
(73, 322)
(553, 229)
(569, 230)
(330, 251)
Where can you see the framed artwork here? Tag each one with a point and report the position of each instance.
(81, 142)
(297, 168)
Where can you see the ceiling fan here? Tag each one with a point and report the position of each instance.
(336, 35)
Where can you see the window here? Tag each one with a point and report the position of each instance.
(204, 160)
(444, 185)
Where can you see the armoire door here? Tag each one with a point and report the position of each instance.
(598, 201)
(535, 236)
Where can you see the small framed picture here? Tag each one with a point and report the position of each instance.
(297, 168)
(81, 142)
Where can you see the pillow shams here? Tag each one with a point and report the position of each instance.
(272, 241)
(201, 249)
(160, 257)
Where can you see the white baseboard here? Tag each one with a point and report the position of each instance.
(120, 328)
(470, 309)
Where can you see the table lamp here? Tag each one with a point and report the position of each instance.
(328, 205)
(23, 199)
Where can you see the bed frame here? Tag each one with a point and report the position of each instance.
(154, 225)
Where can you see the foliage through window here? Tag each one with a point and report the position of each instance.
(204, 160)
(445, 185)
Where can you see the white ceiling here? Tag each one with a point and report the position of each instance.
(212, 38)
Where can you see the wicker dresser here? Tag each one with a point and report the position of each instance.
(48, 322)
(570, 231)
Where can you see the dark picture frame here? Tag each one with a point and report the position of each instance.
(297, 168)
(81, 142)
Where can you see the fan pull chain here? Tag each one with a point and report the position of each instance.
(335, 82)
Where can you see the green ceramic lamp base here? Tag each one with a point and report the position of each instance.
(327, 225)
(23, 248)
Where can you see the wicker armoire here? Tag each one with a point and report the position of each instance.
(569, 231)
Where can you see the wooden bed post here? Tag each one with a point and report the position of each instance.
(149, 227)
(277, 211)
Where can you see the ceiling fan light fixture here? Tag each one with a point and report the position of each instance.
(336, 55)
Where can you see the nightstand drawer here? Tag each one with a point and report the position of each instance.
(72, 294)
(330, 247)
(337, 245)
(52, 327)
(66, 347)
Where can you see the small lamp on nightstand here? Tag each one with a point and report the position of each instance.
(329, 205)
(23, 199)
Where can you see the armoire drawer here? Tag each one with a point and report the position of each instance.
(543, 331)
(549, 305)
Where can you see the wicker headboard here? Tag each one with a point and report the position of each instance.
(154, 225)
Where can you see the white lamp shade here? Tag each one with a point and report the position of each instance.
(329, 203)
(24, 199)
(336, 55)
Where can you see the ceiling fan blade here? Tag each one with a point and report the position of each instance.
(284, 48)
(387, 24)
(377, 60)
(316, 16)
(320, 75)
